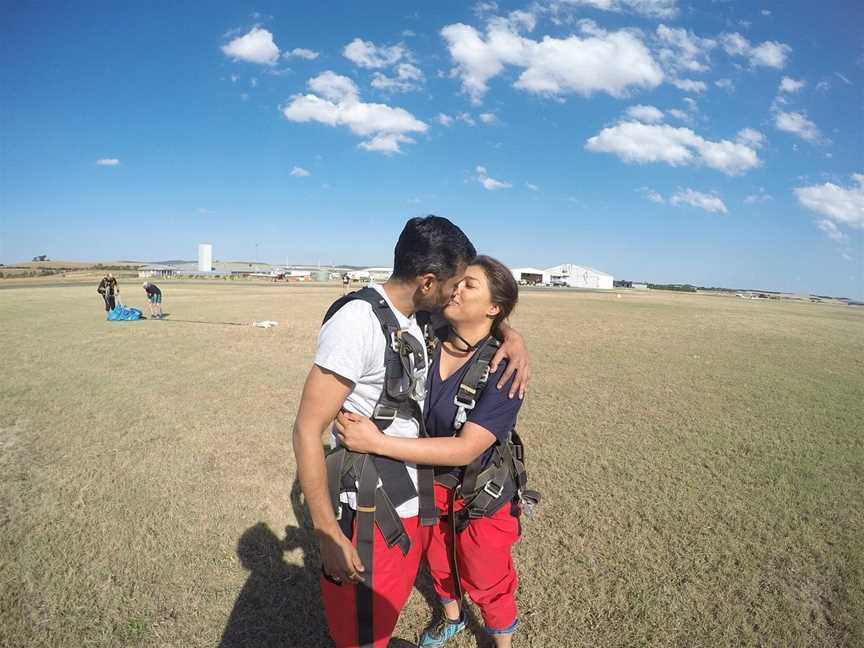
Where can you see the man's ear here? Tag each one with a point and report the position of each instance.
(426, 282)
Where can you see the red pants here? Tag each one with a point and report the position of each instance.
(393, 576)
(486, 570)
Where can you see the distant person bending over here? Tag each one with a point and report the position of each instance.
(481, 303)
(109, 289)
(154, 299)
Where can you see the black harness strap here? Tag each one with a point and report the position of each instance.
(365, 530)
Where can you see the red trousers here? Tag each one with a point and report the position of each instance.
(393, 576)
(486, 569)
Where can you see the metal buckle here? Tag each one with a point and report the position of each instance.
(339, 513)
(490, 488)
(394, 341)
(376, 413)
(468, 405)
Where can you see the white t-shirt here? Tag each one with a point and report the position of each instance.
(351, 344)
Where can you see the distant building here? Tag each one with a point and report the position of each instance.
(161, 271)
(530, 276)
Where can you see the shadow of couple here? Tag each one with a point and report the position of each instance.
(280, 603)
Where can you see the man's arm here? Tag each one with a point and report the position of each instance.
(513, 348)
(323, 396)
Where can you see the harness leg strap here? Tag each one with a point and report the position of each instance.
(365, 529)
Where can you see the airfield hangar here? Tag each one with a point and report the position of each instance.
(566, 274)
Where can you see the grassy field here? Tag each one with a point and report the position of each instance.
(701, 461)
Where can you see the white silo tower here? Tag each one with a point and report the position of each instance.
(205, 257)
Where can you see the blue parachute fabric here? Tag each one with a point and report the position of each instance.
(121, 313)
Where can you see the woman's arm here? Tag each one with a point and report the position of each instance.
(358, 433)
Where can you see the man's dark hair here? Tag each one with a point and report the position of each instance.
(431, 244)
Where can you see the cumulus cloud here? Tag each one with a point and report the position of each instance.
(490, 184)
(758, 198)
(408, 77)
(768, 54)
(256, 46)
(641, 143)
(444, 120)
(367, 54)
(724, 84)
(708, 202)
(682, 51)
(647, 8)
(788, 84)
(750, 137)
(612, 62)
(108, 162)
(838, 205)
(336, 102)
(488, 118)
(532, 187)
(652, 195)
(645, 114)
(689, 85)
(299, 172)
(301, 52)
(798, 124)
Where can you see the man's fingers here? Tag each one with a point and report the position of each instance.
(520, 383)
(498, 357)
(511, 368)
(358, 564)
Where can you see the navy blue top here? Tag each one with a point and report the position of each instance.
(493, 411)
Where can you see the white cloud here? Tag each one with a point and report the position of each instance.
(766, 12)
(203, 211)
(488, 118)
(299, 172)
(652, 195)
(369, 55)
(467, 118)
(683, 51)
(408, 77)
(840, 205)
(768, 54)
(680, 114)
(301, 52)
(490, 184)
(648, 8)
(385, 127)
(256, 46)
(645, 114)
(831, 230)
(641, 143)
(800, 125)
(708, 202)
(532, 187)
(444, 120)
(108, 162)
(758, 198)
(843, 78)
(689, 85)
(750, 137)
(788, 84)
(612, 62)
(724, 84)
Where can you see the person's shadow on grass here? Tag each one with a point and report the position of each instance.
(280, 603)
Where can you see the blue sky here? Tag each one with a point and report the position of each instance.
(717, 143)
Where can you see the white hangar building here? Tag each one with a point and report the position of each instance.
(566, 274)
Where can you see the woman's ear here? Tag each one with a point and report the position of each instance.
(493, 311)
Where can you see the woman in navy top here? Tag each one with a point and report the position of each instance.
(480, 303)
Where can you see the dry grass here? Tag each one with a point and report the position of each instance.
(700, 459)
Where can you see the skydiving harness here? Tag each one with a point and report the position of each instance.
(481, 488)
(382, 484)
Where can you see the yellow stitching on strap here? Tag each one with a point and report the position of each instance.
(365, 509)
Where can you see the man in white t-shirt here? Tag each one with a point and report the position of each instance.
(430, 257)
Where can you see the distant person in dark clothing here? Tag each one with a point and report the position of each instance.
(346, 281)
(154, 297)
(109, 289)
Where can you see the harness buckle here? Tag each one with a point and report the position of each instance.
(493, 490)
(468, 403)
(384, 412)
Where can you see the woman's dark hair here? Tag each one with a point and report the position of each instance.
(431, 244)
(502, 287)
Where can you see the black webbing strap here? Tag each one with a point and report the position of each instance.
(453, 553)
(474, 380)
(365, 532)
